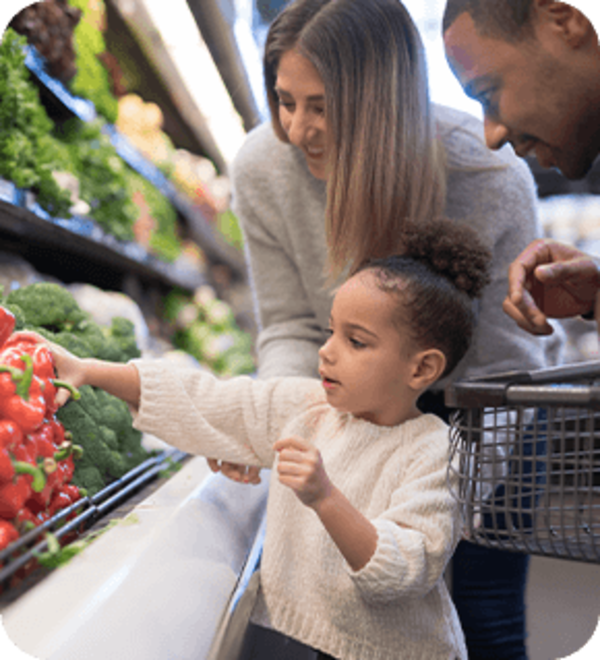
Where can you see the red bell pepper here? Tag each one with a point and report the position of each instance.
(10, 434)
(43, 439)
(7, 470)
(26, 406)
(60, 500)
(8, 532)
(7, 324)
(13, 496)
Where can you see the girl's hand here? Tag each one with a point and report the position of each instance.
(68, 367)
(244, 474)
(300, 467)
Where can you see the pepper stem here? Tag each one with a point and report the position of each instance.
(67, 386)
(39, 478)
(24, 383)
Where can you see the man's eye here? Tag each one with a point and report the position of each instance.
(288, 105)
(486, 100)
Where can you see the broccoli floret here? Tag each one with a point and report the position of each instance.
(109, 437)
(115, 413)
(49, 305)
(121, 335)
(89, 478)
(72, 342)
(117, 465)
(102, 425)
(88, 401)
(91, 333)
(20, 319)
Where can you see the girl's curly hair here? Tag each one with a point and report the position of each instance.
(443, 267)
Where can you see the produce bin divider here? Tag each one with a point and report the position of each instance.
(93, 508)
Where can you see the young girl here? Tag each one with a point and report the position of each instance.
(360, 520)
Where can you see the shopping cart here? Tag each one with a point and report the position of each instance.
(525, 460)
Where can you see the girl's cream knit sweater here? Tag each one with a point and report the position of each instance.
(397, 606)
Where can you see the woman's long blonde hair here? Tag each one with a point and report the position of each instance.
(386, 166)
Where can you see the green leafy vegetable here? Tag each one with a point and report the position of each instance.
(29, 154)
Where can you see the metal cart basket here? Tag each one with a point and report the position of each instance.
(525, 460)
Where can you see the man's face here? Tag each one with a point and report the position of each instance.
(536, 93)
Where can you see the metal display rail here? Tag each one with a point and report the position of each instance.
(525, 460)
(76, 519)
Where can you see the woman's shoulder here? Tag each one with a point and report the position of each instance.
(263, 153)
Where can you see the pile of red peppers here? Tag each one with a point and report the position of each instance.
(36, 454)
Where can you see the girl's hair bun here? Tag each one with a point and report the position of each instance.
(451, 249)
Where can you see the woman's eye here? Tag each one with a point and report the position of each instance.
(356, 343)
(328, 332)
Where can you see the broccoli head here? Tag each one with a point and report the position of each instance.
(88, 477)
(48, 305)
(121, 334)
(69, 340)
(102, 425)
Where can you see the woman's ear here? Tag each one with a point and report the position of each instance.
(429, 365)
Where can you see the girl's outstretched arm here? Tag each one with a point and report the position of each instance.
(120, 380)
(300, 467)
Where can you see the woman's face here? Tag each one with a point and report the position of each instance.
(302, 109)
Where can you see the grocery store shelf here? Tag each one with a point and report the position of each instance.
(68, 247)
(215, 247)
(79, 107)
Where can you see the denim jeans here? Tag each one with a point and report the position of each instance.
(488, 589)
(488, 586)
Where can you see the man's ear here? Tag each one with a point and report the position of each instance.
(564, 20)
(429, 365)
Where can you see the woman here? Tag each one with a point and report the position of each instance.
(352, 140)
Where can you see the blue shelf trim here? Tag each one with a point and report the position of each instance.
(138, 162)
(82, 108)
(10, 193)
(86, 111)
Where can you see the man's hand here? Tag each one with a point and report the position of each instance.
(246, 474)
(300, 467)
(547, 280)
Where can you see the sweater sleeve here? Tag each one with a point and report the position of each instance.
(289, 332)
(419, 531)
(235, 419)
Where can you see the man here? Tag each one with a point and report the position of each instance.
(534, 65)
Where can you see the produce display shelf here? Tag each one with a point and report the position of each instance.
(215, 247)
(22, 219)
(75, 520)
(81, 108)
